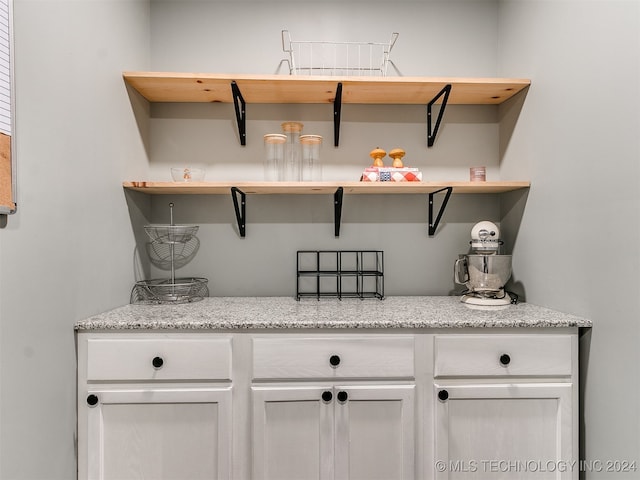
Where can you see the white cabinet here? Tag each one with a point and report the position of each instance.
(505, 407)
(275, 405)
(154, 407)
(293, 433)
(504, 431)
(346, 410)
(375, 430)
(335, 357)
(158, 358)
(333, 431)
(158, 434)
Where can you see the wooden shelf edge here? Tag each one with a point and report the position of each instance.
(310, 188)
(210, 87)
(317, 78)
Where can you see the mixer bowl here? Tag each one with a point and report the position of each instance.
(483, 273)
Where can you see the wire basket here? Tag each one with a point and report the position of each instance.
(164, 255)
(171, 233)
(337, 58)
(181, 290)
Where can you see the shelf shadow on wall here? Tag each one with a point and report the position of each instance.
(508, 114)
(306, 209)
(141, 111)
(139, 206)
(512, 207)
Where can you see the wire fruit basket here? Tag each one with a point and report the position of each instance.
(178, 290)
(306, 57)
(182, 244)
(171, 233)
(162, 254)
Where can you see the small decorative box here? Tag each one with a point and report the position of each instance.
(391, 174)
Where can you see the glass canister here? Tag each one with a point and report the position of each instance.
(292, 151)
(311, 165)
(274, 156)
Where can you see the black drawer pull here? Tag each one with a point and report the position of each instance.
(342, 396)
(443, 395)
(327, 396)
(157, 362)
(92, 400)
(505, 359)
(334, 360)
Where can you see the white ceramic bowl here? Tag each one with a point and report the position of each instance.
(187, 174)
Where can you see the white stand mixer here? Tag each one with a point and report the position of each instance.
(484, 272)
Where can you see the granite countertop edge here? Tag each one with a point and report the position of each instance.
(258, 313)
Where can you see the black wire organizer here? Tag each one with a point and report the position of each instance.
(340, 273)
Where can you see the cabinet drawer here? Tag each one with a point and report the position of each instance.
(502, 355)
(304, 357)
(174, 359)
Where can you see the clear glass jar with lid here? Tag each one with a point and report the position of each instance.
(311, 165)
(292, 151)
(274, 156)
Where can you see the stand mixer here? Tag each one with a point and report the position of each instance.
(483, 271)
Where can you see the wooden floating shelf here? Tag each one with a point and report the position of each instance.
(239, 191)
(209, 87)
(283, 89)
(309, 188)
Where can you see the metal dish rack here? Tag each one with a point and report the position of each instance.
(340, 273)
(307, 57)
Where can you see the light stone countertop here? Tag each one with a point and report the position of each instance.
(247, 313)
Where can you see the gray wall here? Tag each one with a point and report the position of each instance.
(70, 251)
(436, 39)
(578, 141)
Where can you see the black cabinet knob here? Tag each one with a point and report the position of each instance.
(92, 400)
(327, 396)
(334, 360)
(157, 362)
(443, 395)
(342, 396)
(505, 359)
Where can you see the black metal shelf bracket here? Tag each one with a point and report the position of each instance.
(241, 117)
(433, 131)
(240, 208)
(337, 110)
(337, 210)
(433, 225)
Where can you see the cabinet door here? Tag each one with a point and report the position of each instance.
(504, 431)
(293, 433)
(168, 434)
(374, 432)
